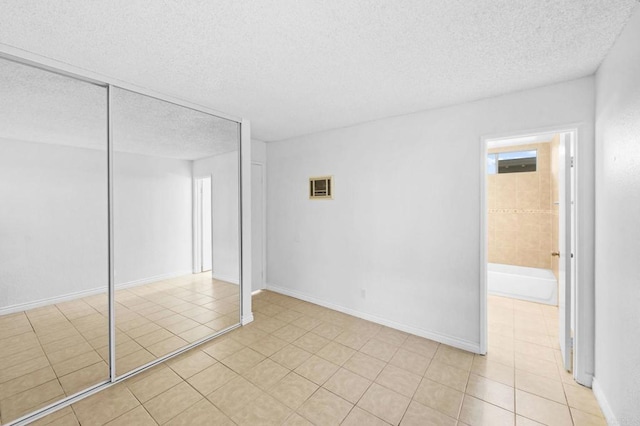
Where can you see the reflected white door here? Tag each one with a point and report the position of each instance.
(257, 217)
(207, 255)
(203, 224)
(564, 244)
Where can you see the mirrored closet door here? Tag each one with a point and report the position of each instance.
(103, 188)
(53, 238)
(176, 237)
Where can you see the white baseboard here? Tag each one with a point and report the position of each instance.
(553, 300)
(19, 307)
(604, 403)
(246, 319)
(441, 338)
(153, 279)
(585, 379)
(226, 278)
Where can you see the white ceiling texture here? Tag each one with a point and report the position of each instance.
(295, 67)
(40, 106)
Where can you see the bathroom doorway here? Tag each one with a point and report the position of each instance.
(529, 245)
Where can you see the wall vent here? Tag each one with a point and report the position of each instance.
(320, 188)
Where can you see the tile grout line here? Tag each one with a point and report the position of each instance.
(327, 320)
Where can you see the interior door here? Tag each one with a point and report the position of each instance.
(257, 200)
(207, 255)
(564, 245)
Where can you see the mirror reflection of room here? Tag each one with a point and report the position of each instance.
(53, 238)
(175, 234)
(176, 244)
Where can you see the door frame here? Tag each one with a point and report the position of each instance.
(263, 217)
(197, 223)
(578, 299)
(566, 211)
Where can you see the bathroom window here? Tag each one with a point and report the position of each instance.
(512, 162)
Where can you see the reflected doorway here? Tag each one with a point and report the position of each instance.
(257, 227)
(203, 237)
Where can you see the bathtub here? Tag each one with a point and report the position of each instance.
(520, 282)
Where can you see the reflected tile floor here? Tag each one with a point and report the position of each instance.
(57, 350)
(302, 364)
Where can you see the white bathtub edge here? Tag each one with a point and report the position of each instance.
(518, 283)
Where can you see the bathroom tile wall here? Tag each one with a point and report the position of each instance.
(520, 212)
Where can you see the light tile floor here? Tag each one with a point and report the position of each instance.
(57, 350)
(301, 364)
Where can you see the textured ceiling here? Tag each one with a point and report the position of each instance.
(148, 126)
(295, 67)
(39, 106)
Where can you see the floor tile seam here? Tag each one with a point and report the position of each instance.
(172, 387)
(413, 394)
(30, 389)
(83, 353)
(43, 352)
(327, 390)
(493, 361)
(134, 408)
(534, 343)
(537, 421)
(535, 373)
(53, 341)
(406, 408)
(87, 366)
(356, 405)
(365, 391)
(571, 406)
(496, 405)
(559, 378)
(547, 399)
(51, 364)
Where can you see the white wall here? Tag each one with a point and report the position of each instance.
(617, 382)
(258, 151)
(405, 222)
(225, 204)
(152, 217)
(53, 221)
